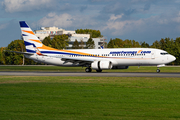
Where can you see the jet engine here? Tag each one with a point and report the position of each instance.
(101, 65)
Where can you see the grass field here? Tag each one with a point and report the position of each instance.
(87, 98)
(80, 69)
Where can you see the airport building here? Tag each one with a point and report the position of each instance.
(81, 38)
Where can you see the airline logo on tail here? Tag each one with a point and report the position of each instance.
(30, 39)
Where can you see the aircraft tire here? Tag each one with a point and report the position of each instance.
(88, 70)
(98, 70)
(158, 70)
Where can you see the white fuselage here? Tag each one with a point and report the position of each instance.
(117, 56)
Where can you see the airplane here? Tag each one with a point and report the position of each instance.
(96, 59)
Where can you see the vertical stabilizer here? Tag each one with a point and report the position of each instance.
(30, 39)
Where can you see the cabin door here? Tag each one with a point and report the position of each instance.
(153, 55)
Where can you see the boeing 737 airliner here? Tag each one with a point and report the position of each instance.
(96, 59)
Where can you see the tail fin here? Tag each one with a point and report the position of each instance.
(102, 47)
(30, 39)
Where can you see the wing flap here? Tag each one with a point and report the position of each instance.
(77, 61)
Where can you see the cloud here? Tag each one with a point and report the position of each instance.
(147, 6)
(52, 19)
(121, 27)
(113, 17)
(68, 21)
(9, 31)
(82, 8)
(12, 6)
(177, 18)
(3, 26)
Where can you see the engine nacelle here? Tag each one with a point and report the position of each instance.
(101, 65)
(120, 67)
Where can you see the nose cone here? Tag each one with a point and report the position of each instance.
(172, 58)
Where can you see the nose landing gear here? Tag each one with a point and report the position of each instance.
(158, 66)
(158, 70)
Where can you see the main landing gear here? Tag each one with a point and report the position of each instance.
(88, 69)
(98, 70)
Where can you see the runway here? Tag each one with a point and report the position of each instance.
(93, 74)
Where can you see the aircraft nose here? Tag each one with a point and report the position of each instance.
(172, 58)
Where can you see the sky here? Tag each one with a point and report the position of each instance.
(139, 20)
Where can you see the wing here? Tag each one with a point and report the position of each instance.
(75, 61)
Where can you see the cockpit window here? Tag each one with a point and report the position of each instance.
(164, 53)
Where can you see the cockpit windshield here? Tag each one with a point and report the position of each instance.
(164, 53)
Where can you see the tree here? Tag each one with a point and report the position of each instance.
(156, 45)
(90, 43)
(118, 43)
(60, 41)
(176, 51)
(93, 33)
(2, 61)
(110, 44)
(11, 58)
(47, 41)
(144, 45)
(75, 45)
(81, 46)
(127, 43)
(162, 44)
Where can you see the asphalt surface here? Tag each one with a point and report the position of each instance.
(103, 74)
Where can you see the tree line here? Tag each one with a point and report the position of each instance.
(93, 33)
(62, 41)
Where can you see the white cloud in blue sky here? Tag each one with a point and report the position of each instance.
(141, 20)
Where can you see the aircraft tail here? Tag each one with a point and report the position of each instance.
(30, 39)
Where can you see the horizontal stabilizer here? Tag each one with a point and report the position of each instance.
(26, 53)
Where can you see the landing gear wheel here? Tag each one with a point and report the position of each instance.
(88, 70)
(98, 70)
(158, 70)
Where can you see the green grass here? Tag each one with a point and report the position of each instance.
(80, 69)
(89, 98)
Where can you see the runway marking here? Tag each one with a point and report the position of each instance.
(103, 74)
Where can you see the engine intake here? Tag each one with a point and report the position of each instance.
(101, 65)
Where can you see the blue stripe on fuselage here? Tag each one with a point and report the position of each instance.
(30, 51)
(53, 52)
